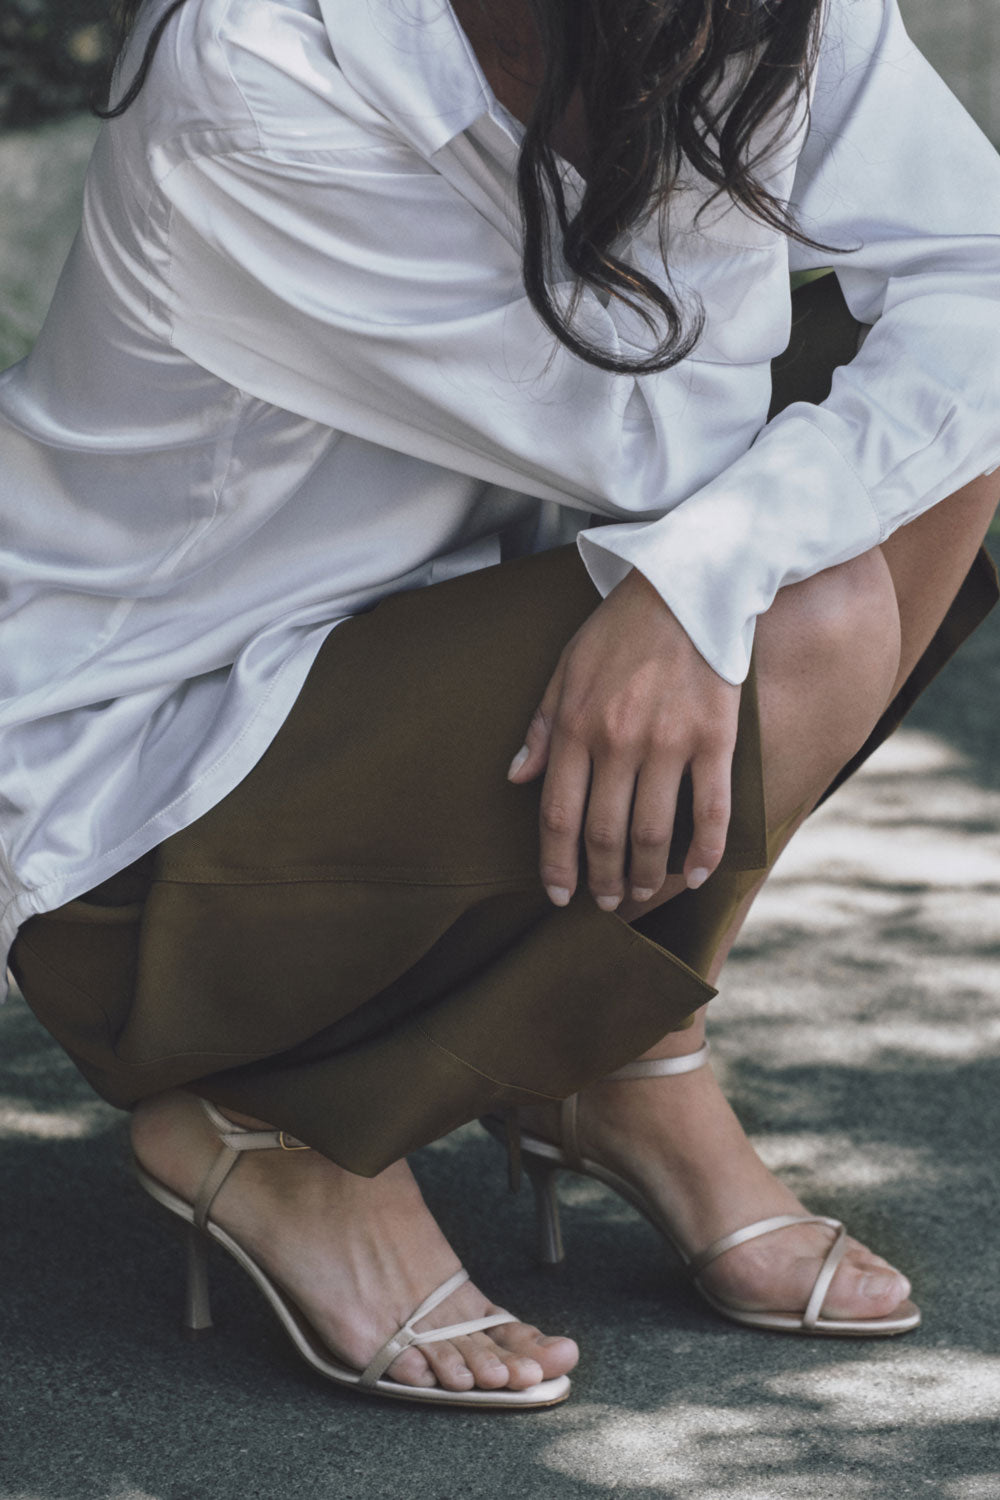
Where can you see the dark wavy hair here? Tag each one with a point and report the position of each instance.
(710, 85)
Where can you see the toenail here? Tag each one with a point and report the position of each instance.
(878, 1286)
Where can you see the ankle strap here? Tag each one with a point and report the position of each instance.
(648, 1067)
(656, 1067)
(234, 1139)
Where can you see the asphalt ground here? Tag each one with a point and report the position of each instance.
(858, 1031)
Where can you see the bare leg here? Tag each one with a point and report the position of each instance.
(927, 562)
(678, 1138)
(355, 1254)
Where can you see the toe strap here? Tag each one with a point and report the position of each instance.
(699, 1263)
(828, 1270)
(406, 1337)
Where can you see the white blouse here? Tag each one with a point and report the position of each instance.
(290, 368)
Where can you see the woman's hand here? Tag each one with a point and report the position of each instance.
(630, 706)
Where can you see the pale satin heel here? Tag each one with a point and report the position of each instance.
(543, 1160)
(197, 1319)
(200, 1228)
(548, 1227)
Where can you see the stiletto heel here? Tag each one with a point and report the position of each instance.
(543, 1178)
(197, 1321)
(543, 1160)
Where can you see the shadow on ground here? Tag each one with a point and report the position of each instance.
(101, 1400)
(859, 1035)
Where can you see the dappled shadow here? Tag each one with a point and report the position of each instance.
(102, 1401)
(858, 1033)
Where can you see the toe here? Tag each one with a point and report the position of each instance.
(496, 1365)
(780, 1277)
(486, 1362)
(552, 1354)
(514, 1355)
(449, 1366)
(411, 1368)
(864, 1293)
(865, 1286)
(522, 1372)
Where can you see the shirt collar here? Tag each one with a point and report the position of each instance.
(413, 62)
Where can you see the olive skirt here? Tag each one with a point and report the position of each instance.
(354, 944)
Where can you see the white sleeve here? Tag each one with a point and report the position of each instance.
(896, 172)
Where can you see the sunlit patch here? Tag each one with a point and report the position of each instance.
(876, 830)
(840, 1162)
(26, 1122)
(906, 858)
(812, 1038)
(713, 1451)
(975, 1042)
(914, 752)
(718, 1450)
(914, 1387)
(670, 1444)
(971, 1487)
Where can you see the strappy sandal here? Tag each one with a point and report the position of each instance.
(197, 1320)
(543, 1161)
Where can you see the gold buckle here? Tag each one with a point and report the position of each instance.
(284, 1139)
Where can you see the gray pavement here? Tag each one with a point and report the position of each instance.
(858, 1030)
(859, 1033)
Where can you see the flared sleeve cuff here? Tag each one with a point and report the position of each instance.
(785, 510)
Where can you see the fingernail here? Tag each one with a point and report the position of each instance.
(877, 1286)
(558, 895)
(518, 761)
(697, 878)
(608, 903)
(639, 893)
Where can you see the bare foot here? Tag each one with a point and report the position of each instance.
(355, 1254)
(679, 1142)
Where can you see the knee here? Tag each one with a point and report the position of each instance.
(845, 620)
(828, 655)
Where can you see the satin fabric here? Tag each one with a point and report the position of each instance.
(290, 369)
